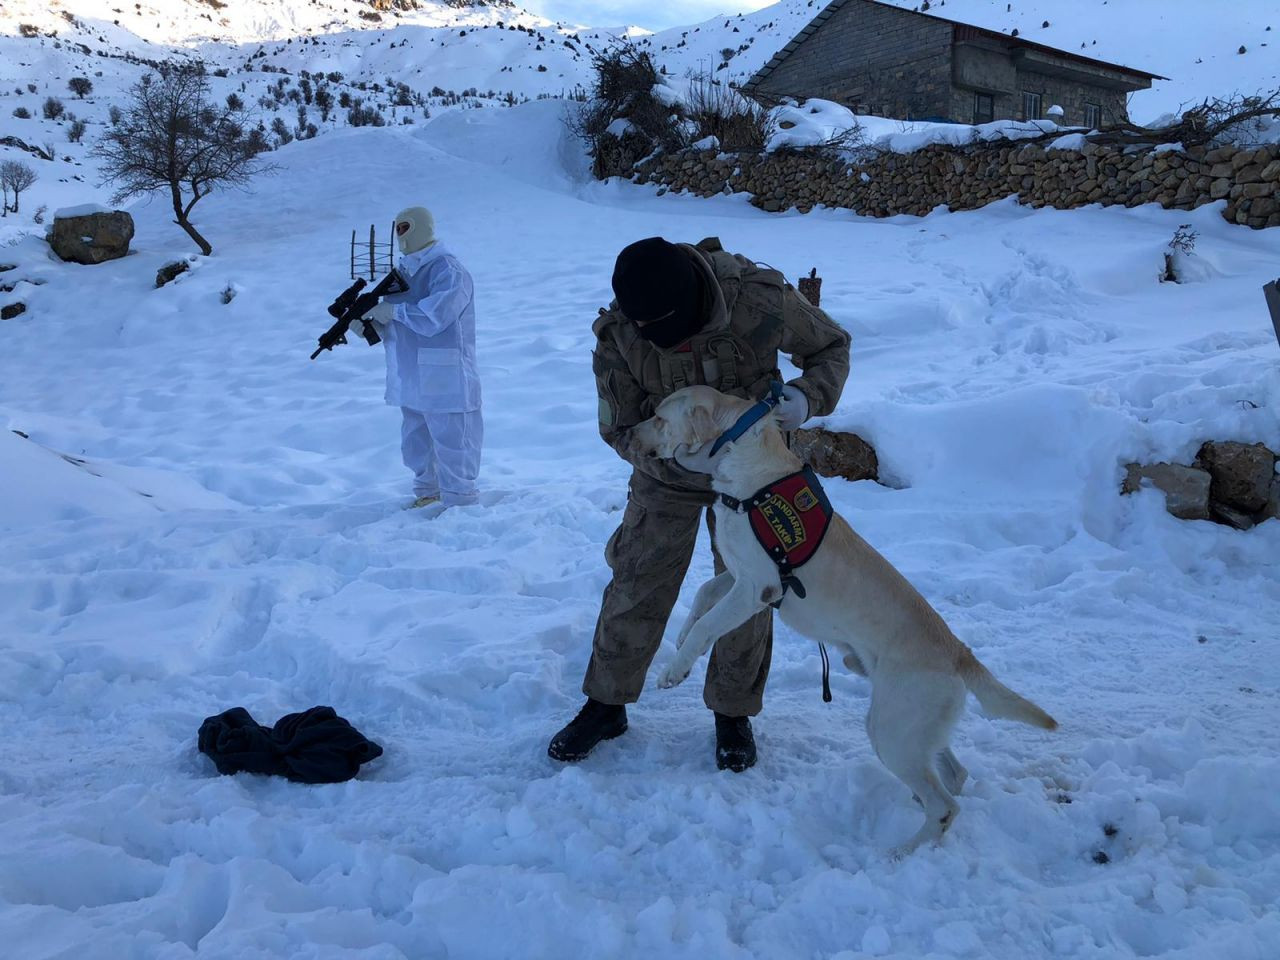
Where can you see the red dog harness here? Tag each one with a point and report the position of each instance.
(789, 517)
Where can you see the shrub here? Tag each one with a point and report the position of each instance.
(625, 78)
(281, 131)
(52, 108)
(76, 131)
(324, 101)
(361, 116)
(22, 113)
(1184, 243)
(722, 112)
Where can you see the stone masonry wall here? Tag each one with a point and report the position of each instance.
(1071, 95)
(964, 178)
(894, 64)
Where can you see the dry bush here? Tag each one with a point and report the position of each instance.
(625, 78)
(739, 123)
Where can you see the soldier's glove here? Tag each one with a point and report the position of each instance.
(793, 408)
(381, 315)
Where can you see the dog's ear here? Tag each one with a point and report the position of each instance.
(703, 427)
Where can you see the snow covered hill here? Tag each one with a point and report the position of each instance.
(496, 46)
(229, 530)
(194, 516)
(403, 61)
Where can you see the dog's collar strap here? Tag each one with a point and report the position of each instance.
(790, 518)
(758, 412)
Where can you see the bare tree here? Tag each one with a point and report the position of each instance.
(80, 86)
(17, 177)
(173, 138)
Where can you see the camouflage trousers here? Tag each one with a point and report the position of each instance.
(649, 555)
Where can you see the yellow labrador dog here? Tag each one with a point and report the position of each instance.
(842, 593)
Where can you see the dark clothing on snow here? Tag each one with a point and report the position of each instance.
(315, 746)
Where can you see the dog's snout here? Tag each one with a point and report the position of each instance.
(636, 446)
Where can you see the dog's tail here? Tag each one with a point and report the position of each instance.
(997, 699)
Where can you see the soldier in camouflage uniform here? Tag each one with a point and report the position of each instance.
(688, 315)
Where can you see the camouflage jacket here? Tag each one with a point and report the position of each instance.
(755, 314)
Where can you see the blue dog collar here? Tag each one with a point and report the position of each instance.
(758, 412)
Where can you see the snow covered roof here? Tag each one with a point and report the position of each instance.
(962, 31)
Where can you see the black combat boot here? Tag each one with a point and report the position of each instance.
(596, 721)
(735, 746)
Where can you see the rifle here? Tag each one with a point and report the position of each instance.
(352, 303)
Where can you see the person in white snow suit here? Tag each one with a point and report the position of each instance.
(429, 332)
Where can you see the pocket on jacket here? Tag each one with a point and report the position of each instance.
(440, 370)
(440, 357)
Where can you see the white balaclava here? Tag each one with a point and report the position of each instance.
(415, 230)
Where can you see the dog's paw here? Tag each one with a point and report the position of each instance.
(900, 853)
(673, 676)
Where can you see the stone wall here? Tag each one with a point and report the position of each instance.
(1071, 95)
(964, 178)
(874, 56)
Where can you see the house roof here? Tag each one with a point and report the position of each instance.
(964, 30)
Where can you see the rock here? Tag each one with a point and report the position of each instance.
(1242, 159)
(835, 454)
(1242, 474)
(1232, 518)
(1219, 188)
(1185, 489)
(93, 237)
(1263, 208)
(171, 270)
(12, 310)
(1273, 505)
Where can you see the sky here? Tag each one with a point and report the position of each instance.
(652, 16)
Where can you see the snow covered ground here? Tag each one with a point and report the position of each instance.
(458, 45)
(229, 531)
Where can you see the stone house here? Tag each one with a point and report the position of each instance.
(880, 59)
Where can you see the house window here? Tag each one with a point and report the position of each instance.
(1092, 116)
(984, 108)
(1030, 106)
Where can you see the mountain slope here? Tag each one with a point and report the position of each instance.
(494, 46)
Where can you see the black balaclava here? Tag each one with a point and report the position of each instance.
(658, 288)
